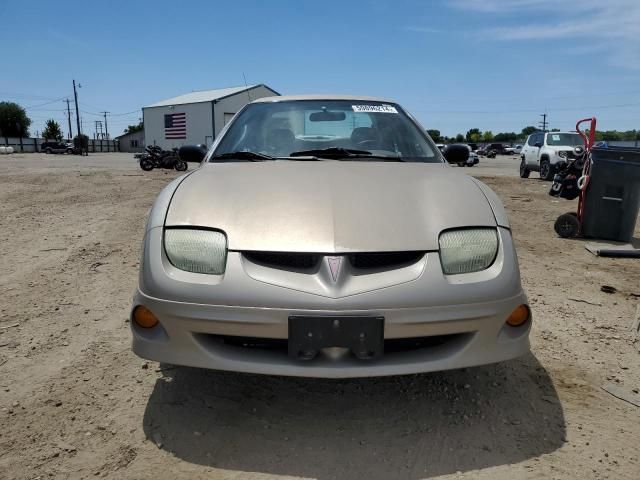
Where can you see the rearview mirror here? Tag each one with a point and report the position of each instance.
(456, 153)
(326, 116)
(192, 153)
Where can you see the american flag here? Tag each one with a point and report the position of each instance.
(175, 126)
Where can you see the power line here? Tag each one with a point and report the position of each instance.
(47, 109)
(567, 109)
(91, 113)
(126, 113)
(31, 107)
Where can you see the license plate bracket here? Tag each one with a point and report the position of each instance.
(364, 336)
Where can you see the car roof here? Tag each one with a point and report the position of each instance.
(294, 98)
(538, 133)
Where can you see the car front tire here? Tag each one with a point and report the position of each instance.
(546, 170)
(524, 171)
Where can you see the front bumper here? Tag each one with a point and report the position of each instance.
(191, 335)
(466, 314)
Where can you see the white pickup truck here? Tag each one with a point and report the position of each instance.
(544, 150)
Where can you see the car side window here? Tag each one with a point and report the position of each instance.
(532, 140)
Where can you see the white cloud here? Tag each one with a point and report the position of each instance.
(496, 5)
(609, 25)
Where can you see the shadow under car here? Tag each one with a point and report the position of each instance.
(412, 426)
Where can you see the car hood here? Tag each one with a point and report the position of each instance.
(329, 206)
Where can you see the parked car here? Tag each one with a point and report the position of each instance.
(508, 150)
(543, 151)
(483, 150)
(339, 246)
(487, 151)
(499, 148)
(517, 149)
(56, 147)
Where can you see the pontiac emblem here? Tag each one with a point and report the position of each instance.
(334, 267)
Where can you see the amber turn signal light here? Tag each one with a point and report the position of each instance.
(144, 317)
(519, 316)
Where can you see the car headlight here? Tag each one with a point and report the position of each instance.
(562, 154)
(197, 251)
(467, 250)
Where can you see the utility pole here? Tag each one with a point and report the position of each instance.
(543, 123)
(69, 120)
(75, 96)
(106, 130)
(98, 130)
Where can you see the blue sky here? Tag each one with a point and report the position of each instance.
(491, 64)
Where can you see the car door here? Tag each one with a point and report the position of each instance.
(527, 149)
(533, 151)
(540, 141)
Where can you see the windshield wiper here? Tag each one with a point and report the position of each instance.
(339, 153)
(242, 155)
(332, 152)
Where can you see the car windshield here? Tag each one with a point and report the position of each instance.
(565, 139)
(336, 129)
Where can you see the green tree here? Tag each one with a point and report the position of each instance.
(505, 137)
(474, 135)
(52, 130)
(136, 128)
(555, 129)
(526, 131)
(459, 138)
(81, 143)
(435, 135)
(487, 136)
(611, 135)
(14, 121)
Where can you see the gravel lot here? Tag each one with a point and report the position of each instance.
(76, 403)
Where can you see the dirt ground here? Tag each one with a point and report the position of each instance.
(76, 403)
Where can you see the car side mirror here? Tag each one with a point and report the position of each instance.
(192, 153)
(538, 144)
(456, 153)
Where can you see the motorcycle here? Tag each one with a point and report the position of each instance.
(155, 157)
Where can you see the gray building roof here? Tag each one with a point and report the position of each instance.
(205, 96)
(139, 132)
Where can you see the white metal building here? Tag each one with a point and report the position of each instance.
(196, 117)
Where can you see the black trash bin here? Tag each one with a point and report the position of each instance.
(612, 198)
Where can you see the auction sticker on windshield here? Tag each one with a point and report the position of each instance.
(374, 108)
